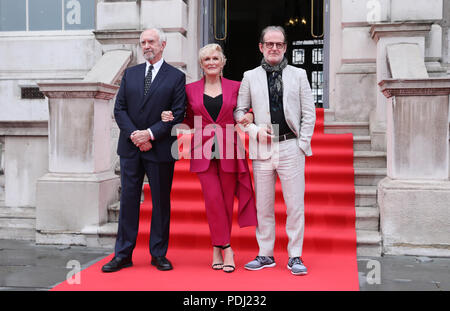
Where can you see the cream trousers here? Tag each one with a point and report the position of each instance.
(288, 162)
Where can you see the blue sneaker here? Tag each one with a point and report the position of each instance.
(295, 264)
(261, 262)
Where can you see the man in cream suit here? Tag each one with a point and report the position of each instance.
(284, 117)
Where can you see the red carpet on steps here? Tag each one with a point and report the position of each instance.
(329, 250)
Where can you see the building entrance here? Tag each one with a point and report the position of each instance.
(236, 25)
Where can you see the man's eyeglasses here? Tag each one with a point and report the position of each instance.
(270, 45)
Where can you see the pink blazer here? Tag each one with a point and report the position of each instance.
(205, 127)
(231, 159)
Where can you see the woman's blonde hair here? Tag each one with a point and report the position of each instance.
(208, 48)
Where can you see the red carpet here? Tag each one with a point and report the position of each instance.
(329, 250)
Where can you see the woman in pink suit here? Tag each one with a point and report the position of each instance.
(220, 165)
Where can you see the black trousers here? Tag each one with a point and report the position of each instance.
(160, 176)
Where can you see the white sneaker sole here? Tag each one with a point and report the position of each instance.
(298, 273)
(262, 267)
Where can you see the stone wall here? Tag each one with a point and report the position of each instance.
(27, 57)
(353, 82)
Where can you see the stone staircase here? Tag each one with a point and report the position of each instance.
(370, 168)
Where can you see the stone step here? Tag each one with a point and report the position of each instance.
(369, 176)
(368, 243)
(17, 212)
(329, 115)
(365, 195)
(18, 223)
(101, 236)
(362, 143)
(339, 127)
(369, 159)
(367, 218)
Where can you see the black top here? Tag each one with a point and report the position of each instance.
(213, 105)
(277, 112)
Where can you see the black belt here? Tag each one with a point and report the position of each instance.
(284, 137)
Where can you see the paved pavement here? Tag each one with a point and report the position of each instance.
(25, 266)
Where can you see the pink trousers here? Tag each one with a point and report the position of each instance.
(218, 189)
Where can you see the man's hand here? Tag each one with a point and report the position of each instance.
(167, 116)
(145, 146)
(246, 119)
(140, 137)
(265, 135)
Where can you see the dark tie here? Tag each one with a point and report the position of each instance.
(148, 80)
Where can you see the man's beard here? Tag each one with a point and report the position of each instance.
(149, 56)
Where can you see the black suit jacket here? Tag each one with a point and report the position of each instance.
(133, 111)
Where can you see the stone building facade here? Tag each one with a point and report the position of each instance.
(76, 50)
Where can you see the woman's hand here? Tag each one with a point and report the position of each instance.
(246, 119)
(166, 116)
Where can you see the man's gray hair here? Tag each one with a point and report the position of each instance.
(161, 34)
(272, 28)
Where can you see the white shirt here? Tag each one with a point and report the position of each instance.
(155, 70)
(156, 67)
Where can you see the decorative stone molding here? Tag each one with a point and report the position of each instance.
(415, 87)
(404, 29)
(117, 36)
(76, 89)
(23, 128)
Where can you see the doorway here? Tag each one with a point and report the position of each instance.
(236, 25)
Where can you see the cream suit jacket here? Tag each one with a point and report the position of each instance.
(298, 106)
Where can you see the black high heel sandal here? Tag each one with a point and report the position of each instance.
(217, 266)
(228, 266)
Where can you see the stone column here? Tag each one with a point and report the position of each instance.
(414, 197)
(384, 35)
(80, 184)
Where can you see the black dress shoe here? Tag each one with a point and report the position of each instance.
(116, 264)
(161, 263)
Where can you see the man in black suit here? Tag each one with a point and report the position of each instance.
(144, 147)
